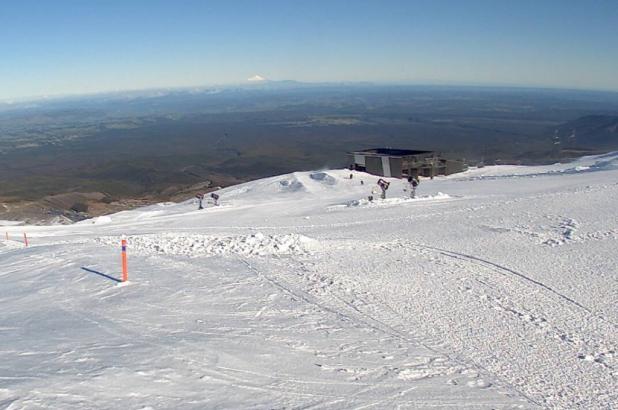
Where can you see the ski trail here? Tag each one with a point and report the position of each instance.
(353, 293)
(355, 315)
(500, 269)
(503, 270)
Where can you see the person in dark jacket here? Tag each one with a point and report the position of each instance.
(200, 200)
(215, 198)
(383, 186)
(413, 181)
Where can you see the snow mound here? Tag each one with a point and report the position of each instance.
(297, 183)
(291, 185)
(101, 220)
(379, 202)
(193, 245)
(264, 188)
(323, 177)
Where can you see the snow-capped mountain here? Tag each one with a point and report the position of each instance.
(256, 78)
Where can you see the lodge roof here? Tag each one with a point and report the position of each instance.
(390, 152)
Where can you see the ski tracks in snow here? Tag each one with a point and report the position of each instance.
(500, 321)
(363, 309)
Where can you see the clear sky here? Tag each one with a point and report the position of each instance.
(50, 47)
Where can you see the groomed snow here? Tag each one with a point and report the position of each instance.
(494, 288)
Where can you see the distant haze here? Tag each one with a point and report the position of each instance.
(72, 47)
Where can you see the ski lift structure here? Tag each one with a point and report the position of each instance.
(402, 163)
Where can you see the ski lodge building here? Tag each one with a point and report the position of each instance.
(398, 163)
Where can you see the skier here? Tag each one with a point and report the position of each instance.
(200, 199)
(413, 184)
(383, 186)
(215, 198)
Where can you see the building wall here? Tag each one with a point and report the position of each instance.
(396, 167)
(411, 165)
(359, 159)
(453, 167)
(386, 166)
(374, 165)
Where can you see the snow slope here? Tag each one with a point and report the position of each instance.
(495, 288)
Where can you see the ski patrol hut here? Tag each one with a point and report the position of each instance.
(398, 163)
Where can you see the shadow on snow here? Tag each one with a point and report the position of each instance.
(101, 274)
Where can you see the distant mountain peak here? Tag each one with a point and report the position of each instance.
(257, 78)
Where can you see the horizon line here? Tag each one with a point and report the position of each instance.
(256, 84)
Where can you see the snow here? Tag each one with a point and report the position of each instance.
(378, 202)
(100, 220)
(10, 223)
(193, 245)
(494, 288)
(256, 78)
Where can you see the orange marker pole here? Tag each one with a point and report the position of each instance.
(25, 239)
(125, 271)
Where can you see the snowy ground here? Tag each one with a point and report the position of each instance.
(496, 288)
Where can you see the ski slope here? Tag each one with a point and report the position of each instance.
(494, 288)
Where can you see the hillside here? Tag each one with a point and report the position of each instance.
(138, 148)
(591, 131)
(495, 288)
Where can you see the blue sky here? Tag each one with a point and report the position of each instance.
(82, 46)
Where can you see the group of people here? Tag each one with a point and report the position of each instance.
(382, 184)
(200, 200)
